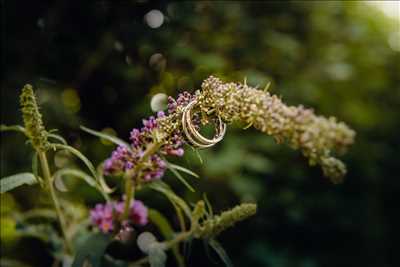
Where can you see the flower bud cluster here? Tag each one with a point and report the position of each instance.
(214, 226)
(35, 129)
(125, 158)
(105, 216)
(316, 136)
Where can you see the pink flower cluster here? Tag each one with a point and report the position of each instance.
(105, 215)
(124, 158)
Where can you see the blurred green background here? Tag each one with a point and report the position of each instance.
(99, 64)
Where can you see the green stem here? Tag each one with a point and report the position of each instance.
(130, 175)
(129, 196)
(47, 176)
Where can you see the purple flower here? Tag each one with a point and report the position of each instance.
(174, 147)
(138, 213)
(104, 215)
(149, 124)
(155, 169)
(124, 158)
(135, 138)
(121, 159)
(182, 100)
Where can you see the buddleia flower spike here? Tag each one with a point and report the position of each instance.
(34, 127)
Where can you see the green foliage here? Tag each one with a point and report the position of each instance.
(338, 57)
(14, 181)
(175, 199)
(92, 250)
(105, 136)
(220, 251)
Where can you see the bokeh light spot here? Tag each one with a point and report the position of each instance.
(154, 18)
(71, 100)
(158, 102)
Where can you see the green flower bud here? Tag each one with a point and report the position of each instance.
(33, 119)
(226, 219)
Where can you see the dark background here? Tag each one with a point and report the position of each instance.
(91, 66)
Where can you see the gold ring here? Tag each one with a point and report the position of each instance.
(194, 137)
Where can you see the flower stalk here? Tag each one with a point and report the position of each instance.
(56, 203)
(37, 134)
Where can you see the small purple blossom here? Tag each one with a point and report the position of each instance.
(104, 216)
(174, 146)
(155, 169)
(122, 159)
(135, 138)
(138, 213)
(182, 100)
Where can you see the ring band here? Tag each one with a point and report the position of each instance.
(193, 136)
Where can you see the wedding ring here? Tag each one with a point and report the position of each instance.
(193, 136)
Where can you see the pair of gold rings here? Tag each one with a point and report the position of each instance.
(193, 136)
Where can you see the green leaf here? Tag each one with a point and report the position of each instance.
(39, 213)
(196, 151)
(58, 137)
(166, 231)
(17, 128)
(78, 174)
(162, 223)
(209, 208)
(78, 154)
(35, 169)
(92, 250)
(221, 252)
(180, 178)
(59, 184)
(105, 136)
(182, 169)
(11, 182)
(167, 191)
(5, 262)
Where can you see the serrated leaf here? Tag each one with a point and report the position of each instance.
(92, 250)
(167, 191)
(111, 138)
(221, 252)
(17, 128)
(11, 182)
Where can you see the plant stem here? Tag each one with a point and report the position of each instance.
(129, 196)
(130, 175)
(47, 176)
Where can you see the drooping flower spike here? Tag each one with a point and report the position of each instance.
(318, 138)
